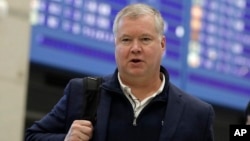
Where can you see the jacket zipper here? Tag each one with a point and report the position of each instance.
(134, 118)
(134, 121)
(132, 109)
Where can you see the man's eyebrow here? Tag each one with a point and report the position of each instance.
(146, 34)
(124, 35)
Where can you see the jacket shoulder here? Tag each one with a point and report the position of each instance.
(192, 100)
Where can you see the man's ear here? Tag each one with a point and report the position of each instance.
(163, 42)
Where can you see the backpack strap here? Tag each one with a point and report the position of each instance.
(91, 97)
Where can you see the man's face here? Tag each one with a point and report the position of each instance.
(139, 47)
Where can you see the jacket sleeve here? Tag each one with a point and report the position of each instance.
(53, 126)
(209, 135)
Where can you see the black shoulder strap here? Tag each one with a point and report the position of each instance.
(91, 97)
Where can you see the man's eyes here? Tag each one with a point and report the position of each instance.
(125, 40)
(145, 39)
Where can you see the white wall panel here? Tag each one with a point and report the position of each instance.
(14, 48)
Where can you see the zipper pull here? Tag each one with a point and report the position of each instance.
(134, 122)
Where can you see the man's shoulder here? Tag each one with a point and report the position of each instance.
(79, 80)
(189, 99)
(76, 80)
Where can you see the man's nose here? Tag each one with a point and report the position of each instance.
(136, 47)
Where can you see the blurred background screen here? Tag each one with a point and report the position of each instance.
(208, 42)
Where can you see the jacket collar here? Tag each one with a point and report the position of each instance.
(173, 114)
(111, 82)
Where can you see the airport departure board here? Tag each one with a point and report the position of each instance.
(208, 42)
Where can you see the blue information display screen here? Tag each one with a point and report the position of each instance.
(208, 42)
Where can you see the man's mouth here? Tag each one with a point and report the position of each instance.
(135, 60)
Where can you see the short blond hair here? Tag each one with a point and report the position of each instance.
(135, 10)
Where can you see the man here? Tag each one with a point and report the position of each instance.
(138, 102)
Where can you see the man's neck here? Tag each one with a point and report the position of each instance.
(142, 88)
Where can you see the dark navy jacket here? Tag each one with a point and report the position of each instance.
(186, 118)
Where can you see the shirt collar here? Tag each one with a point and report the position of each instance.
(127, 90)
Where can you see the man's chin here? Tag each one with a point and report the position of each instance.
(136, 72)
